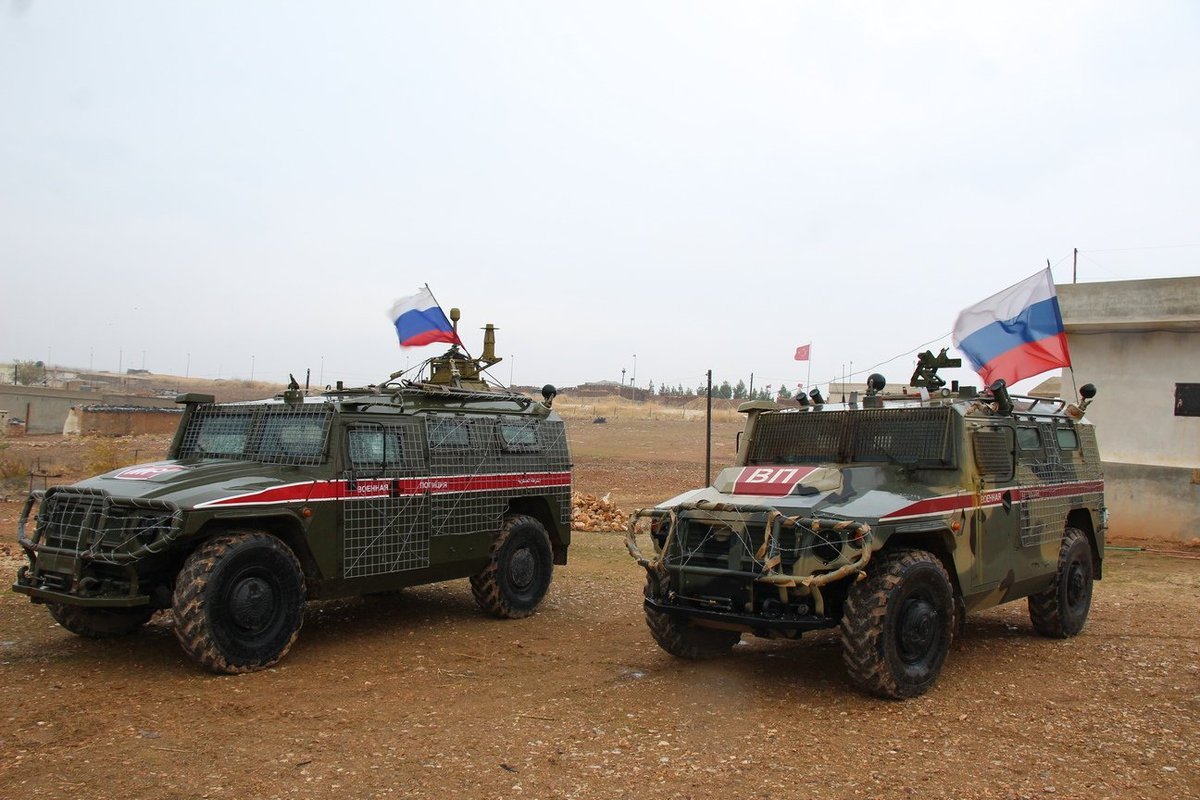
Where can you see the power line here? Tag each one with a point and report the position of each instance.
(1129, 249)
(888, 361)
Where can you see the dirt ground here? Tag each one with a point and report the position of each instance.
(419, 695)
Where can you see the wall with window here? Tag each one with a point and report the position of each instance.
(1139, 341)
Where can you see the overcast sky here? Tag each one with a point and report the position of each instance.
(215, 187)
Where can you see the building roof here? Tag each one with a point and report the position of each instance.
(1157, 304)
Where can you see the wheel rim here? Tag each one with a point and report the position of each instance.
(917, 632)
(1078, 590)
(253, 603)
(522, 568)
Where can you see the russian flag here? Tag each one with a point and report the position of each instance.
(419, 320)
(1016, 333)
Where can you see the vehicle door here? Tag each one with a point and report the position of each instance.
(995, 517)
(384, 510)
(467, 497)
(1040, 471)
(1056, 479)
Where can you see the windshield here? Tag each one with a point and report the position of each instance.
(907, 436)
(270, 434)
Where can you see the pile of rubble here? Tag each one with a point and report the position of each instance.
(592, 513)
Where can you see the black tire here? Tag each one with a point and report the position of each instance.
(898, 625)
(519, 569)
(1061, 610)
(239, 602)
(678, 637)
(100, 623)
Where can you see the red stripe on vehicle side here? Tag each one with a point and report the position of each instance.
(318, 491)
(993, 497)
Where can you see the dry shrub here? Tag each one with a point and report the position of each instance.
(103, 454)
(11, 467)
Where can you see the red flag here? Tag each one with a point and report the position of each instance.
(802, 352)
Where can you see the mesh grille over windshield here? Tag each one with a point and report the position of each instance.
(916, 436)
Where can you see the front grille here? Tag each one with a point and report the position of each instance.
(93, 524)
(705, 545)
(814, 547)
(69, 522)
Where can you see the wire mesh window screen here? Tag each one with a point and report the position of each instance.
(294, 436)
(272, 435)
(1067, 439)
(215, 432)
(520, 436)
(799, 438)
(461, 444)
(449, 433)
(994, 453)
(389, 450)
(909, 435)
(1028, 438)
(1044, 515)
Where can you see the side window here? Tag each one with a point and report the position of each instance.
(451, 433)
(1028, 439)
(1067, 438)
(218, 435)
(520, 436)
(288, 438)
(375, 447)
(994, 453)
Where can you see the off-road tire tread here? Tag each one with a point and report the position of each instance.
(1044, 606)
(191, 623)
(862, 623)
(486, 585)
(100, 623)
(686, 641)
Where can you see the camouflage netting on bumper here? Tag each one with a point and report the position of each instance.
(774, 540)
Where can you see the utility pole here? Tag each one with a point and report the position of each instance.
(633, 380)
(1075, 266)
(621, 393)
(751, 385)
(708, 436)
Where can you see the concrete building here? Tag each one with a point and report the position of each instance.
(1139, 342)
(46, 410)
(121, 420)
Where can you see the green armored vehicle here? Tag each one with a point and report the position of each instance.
(891, 517)
(261, 506)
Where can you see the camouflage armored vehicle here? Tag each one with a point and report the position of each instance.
(892, 518)
(261, 506)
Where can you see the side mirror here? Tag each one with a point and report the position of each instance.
(1086, 393)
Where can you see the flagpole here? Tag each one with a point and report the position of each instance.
(439, 305)
(808, 377)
